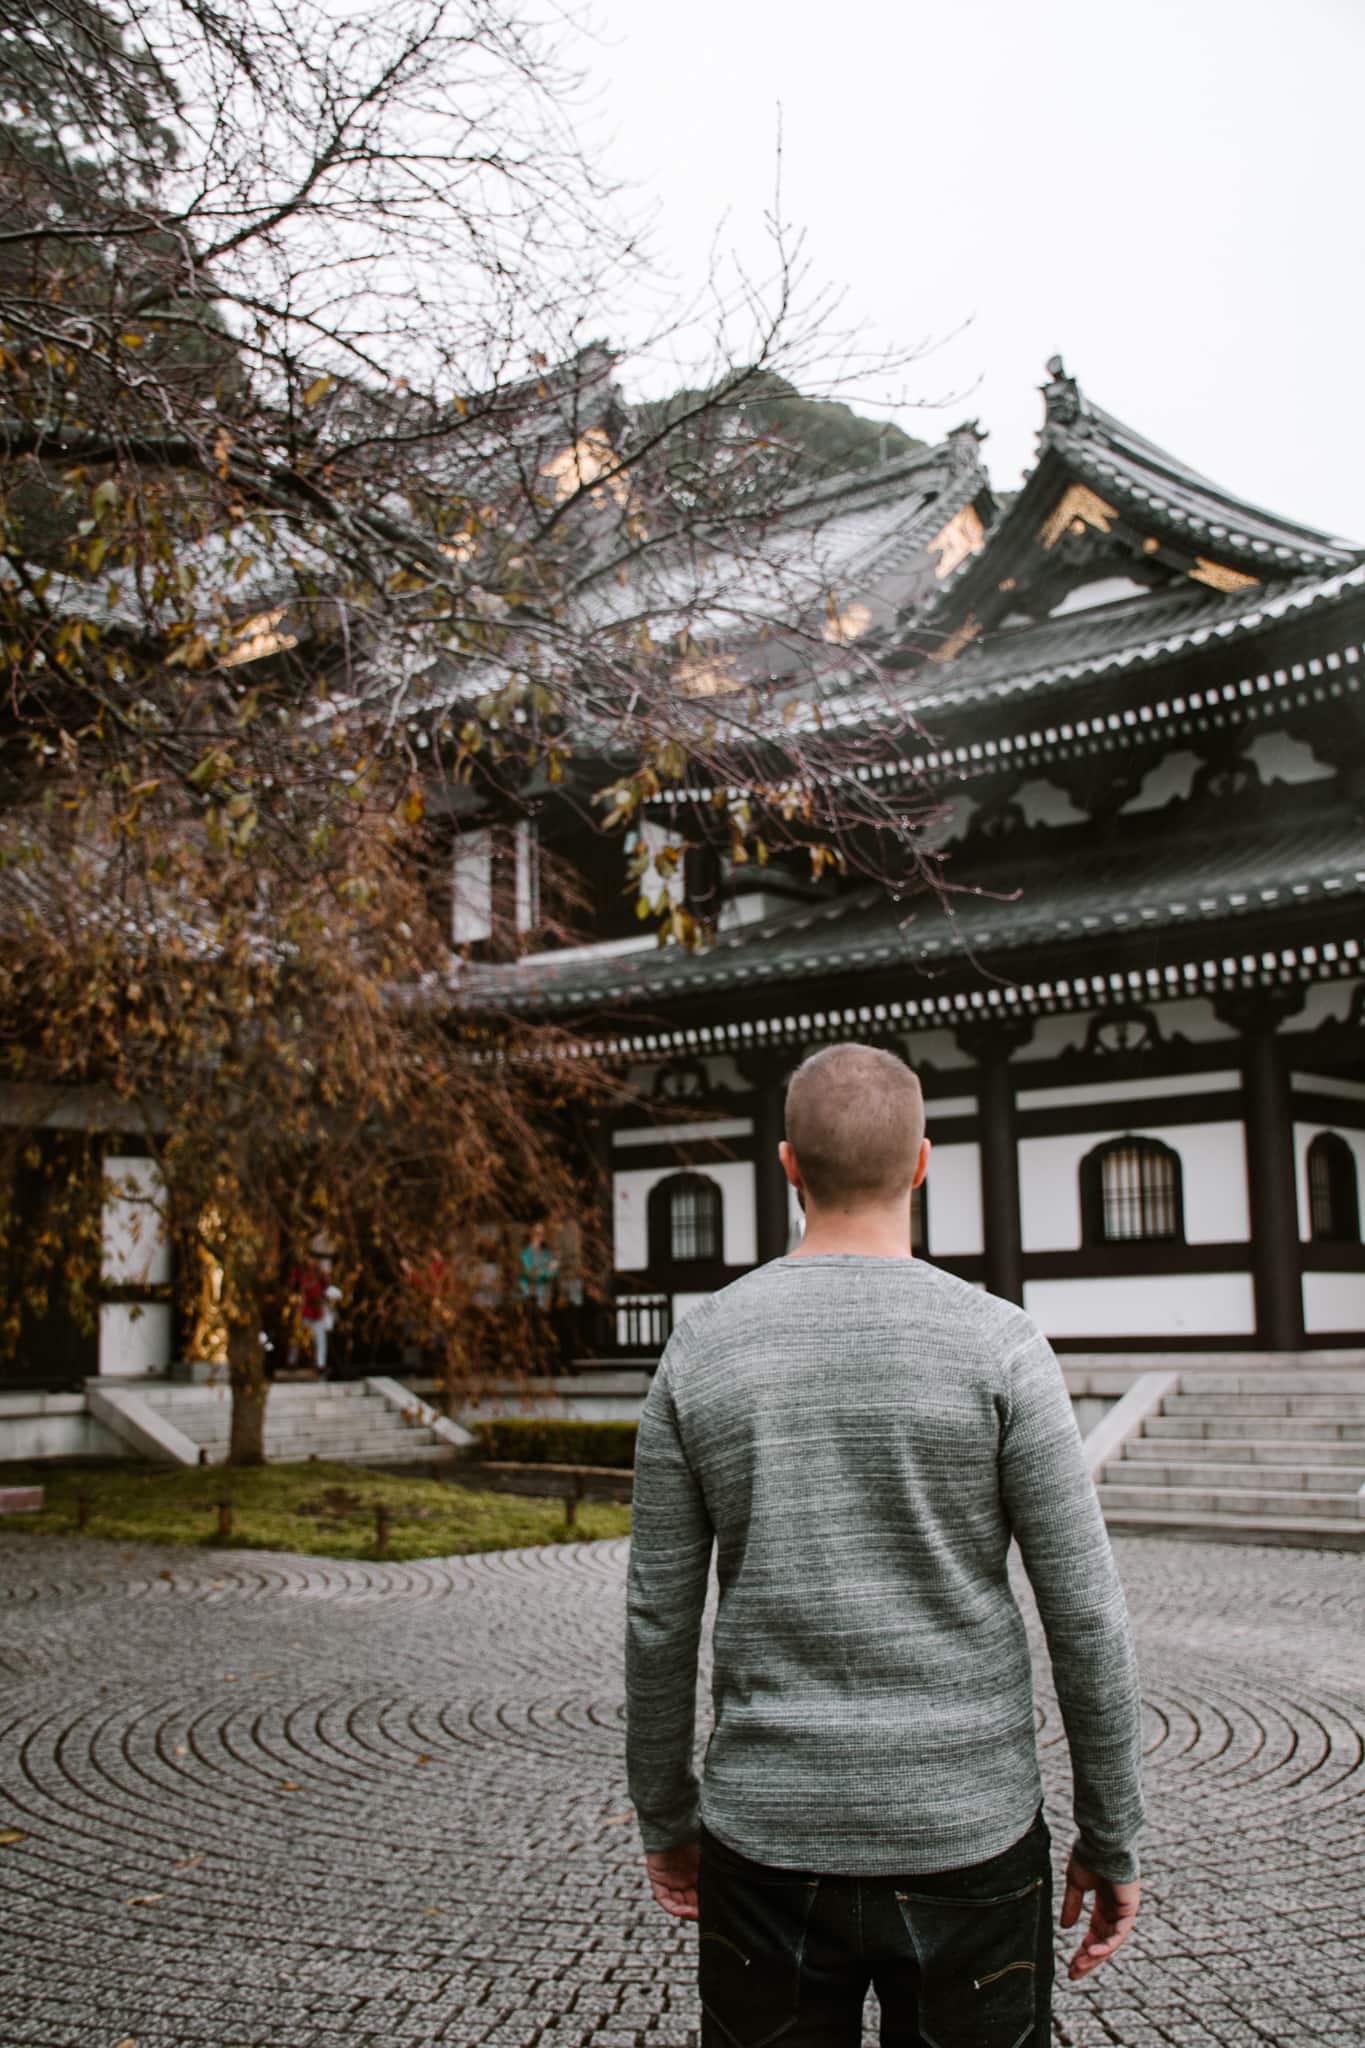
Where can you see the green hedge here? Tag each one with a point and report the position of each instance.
(552, 1440)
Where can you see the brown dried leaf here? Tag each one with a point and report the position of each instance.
(9, 1836)
(189, 1862)
(145, 1899)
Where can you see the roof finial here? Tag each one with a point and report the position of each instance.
(1061, 395)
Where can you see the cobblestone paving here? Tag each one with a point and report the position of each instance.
(270, 1802)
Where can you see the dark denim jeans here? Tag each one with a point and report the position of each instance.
(958, 1958)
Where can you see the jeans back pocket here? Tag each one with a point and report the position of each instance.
(978, 1965)
(752, 1940)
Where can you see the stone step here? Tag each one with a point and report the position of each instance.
(1292, 1428)
(343, 1449)
(373, 1415)
(1348, 1380)
(288, 1400)
(1311, 1452)
(1274, 1531)
(1253, 1478)
(1205, 1500)
(1348, 1406)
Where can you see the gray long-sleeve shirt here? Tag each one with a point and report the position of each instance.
(860, 1438)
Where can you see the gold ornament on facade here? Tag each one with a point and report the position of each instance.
(955, 642)
(1077, 508)
(708, 675)
(1219, 577)
(962, 536)
(849, 624)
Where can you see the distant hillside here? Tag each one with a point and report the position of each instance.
(822, 436)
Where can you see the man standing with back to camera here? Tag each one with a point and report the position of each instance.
(860, 1435)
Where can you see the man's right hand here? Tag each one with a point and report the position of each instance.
(1111, 1917)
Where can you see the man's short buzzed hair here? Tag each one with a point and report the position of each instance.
(855, 1120)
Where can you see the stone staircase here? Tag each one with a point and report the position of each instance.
(364, 1422)
(1255, 1457)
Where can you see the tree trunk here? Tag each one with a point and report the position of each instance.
(246, 1375)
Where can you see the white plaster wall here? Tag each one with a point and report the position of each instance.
(682, 1134)
(135, 1250)
(1158, 1089)
(135, 1338)
(954, 1190)
(1328, 1084)
(1325, 1002)
(1171, 777)
(1045, 803)
(1213, 1170)
(1281, 758)
(1156, 1305)
(1333, 1301)
(630, 1212)
(939, 1048)
(1183, 1016)
(1304, 1135)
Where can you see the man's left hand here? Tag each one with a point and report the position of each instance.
(673, 1879)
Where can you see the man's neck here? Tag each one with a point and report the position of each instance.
(862, 1233)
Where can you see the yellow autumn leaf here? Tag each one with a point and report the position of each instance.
(9, 1836)
(132, 340)
(318, 389)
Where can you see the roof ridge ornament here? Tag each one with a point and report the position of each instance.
(964, 446)
(1061, 395)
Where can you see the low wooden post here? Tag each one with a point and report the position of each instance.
(381, 1528)
(225, 1516)
(83, 1507)
(577, 1487)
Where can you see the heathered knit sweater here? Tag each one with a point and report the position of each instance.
(859, 1438)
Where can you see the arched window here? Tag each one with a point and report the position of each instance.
(1333, 1191)
(686, 1216)
(1130, 1193)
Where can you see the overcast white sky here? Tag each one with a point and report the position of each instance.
(1168, 191)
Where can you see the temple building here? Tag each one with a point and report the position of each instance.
(1138, 1011)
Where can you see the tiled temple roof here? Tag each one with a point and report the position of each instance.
(1055, 890)
(1136, 634)
(1123, 464)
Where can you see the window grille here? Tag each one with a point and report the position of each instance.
(1333, 1191)
(694, 1220)
(1130, 1193)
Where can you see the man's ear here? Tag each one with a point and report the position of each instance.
(789, 1165)
(922, 1163)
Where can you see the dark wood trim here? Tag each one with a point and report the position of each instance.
(770, 1182)
(696, 1156)
(1327, 1109)
(1272, 1186)
(952, 1130)
(1172, 1057)
(1228, 1106)
(1000, 1181)
(677, 1277)
(1322, 1256)
(964, 1266)
(1137, 1261)
(1163, 1344)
